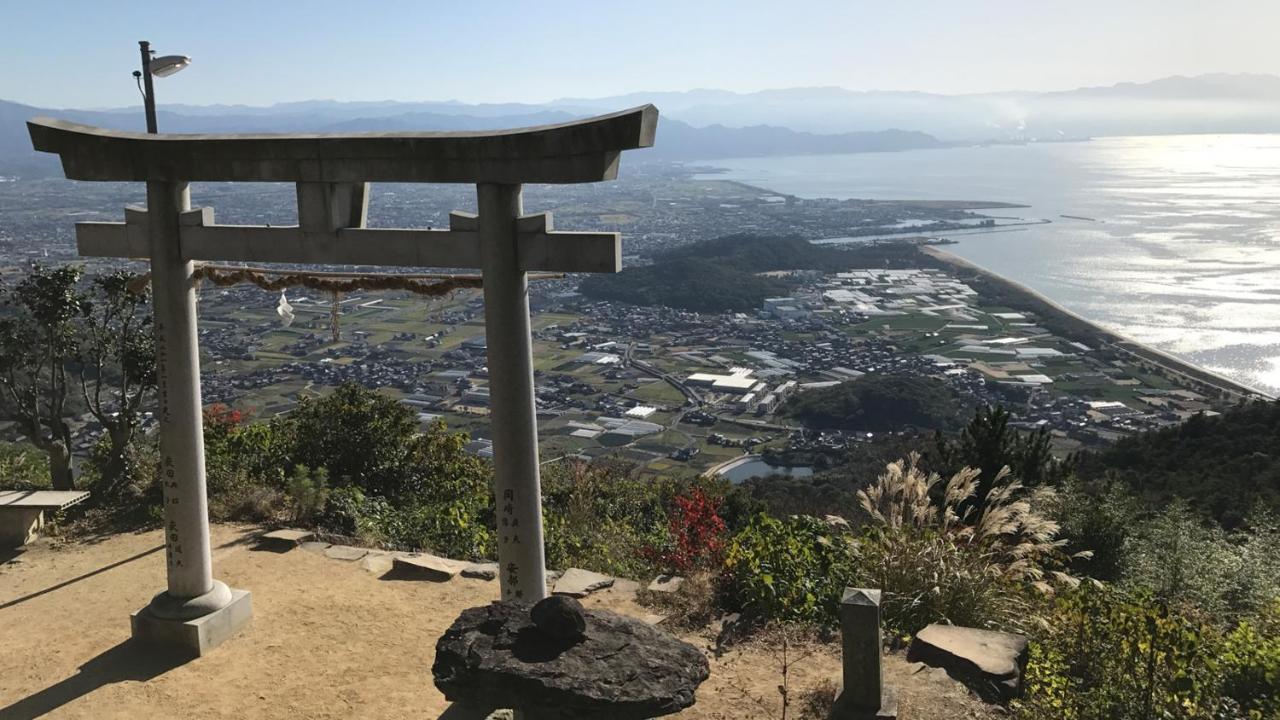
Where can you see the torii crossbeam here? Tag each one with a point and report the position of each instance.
(332, 175)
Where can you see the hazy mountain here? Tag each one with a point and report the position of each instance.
(677, 140)
(706, 124)
(1206, 103)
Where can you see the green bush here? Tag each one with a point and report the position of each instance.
(1187, 560)
(791, 570)
(602, 515)
(1249, 663)
(244, 466)
(23, 467)
(443, 504)
(1098, 520)
(1112, 656)
(362, 437)
(348, 511)
(308, 491)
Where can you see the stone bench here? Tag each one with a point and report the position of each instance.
(22, 512)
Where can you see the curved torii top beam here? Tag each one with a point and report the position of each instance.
(573, 152)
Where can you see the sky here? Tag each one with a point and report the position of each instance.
(80, 53)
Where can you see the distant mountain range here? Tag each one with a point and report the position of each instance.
(710, 124)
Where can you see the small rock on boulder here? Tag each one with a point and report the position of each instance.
(560, 618)
(989, 663)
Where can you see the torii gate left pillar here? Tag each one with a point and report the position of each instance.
(332, 173)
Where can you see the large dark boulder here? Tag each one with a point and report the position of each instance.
(620, 668)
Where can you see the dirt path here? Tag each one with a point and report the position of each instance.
(328, 640)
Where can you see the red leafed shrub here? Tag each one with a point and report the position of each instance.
(222, 417)
(696, 534)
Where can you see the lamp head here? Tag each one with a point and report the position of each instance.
(167, 65)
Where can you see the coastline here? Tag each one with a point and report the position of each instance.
(1195, 374)
(1191, 374)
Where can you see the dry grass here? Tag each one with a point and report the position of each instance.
(943, 554)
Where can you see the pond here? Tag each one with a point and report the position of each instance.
(757, 467)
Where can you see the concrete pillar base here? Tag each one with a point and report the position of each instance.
(19, 526)
(888, 710)
(168, 607)
(196, 636)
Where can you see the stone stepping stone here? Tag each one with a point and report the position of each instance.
(579, 583)
(286, 537)
(666, 584)
(346, 552)
(377, 562)
(990, 663)
(314, 546)
(622, 586)
(432, 567)
(480, 571)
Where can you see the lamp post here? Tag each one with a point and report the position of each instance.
(158, 67)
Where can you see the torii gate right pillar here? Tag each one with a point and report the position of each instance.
(513, 420)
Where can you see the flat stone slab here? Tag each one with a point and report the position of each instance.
(314, 546)
(579, 583)
(289, 535)
(377, 562)
(430, 566)
(284, 540)
(42, 499)
(624, 586)
(480, 571)
(620, 669)
(990, 663)
(666, 584)
(346, 552)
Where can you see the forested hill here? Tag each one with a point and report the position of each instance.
(1224, 464)
(722, 275)
(756, 253)
(880, 403)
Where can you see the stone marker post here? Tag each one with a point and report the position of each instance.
(862, 695)
(514, 414)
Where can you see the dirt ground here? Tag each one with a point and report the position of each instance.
(329, 639)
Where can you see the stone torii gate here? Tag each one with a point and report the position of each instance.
(332, 175)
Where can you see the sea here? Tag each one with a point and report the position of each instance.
(1172, 241)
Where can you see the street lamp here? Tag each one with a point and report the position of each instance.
(159, 67)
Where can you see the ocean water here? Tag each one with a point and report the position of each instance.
(1175, 240)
